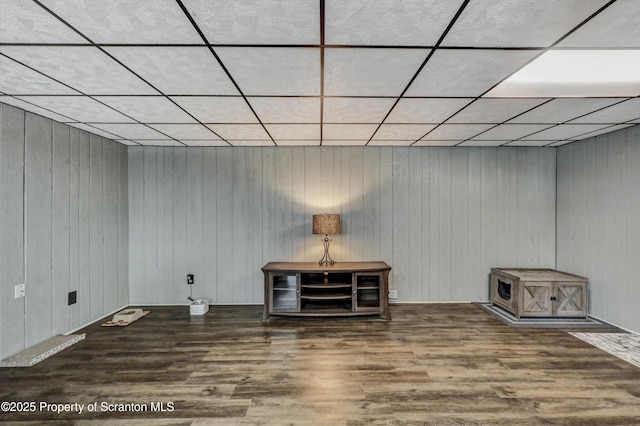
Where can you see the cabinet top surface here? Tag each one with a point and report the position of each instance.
(539, 274)
(314, 267)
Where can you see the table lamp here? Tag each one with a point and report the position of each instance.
(326, 224)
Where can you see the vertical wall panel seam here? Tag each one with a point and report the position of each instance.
(24, 223)
(51, 226)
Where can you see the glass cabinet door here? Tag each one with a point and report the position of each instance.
(284, 292)
(367, 291)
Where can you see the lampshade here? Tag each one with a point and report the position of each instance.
(326, 224)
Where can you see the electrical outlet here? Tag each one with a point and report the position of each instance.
(190, 279)
(393, 293)
(20, 291)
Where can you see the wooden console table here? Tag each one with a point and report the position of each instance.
(309, 289)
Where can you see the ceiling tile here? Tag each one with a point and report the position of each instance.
(126, 142)
(294, 131)
(616, 26)
(158, 142)
(406, 132)
(177, 70)
(457, 131)
(602, 131)
(209, 109)
(23, 21)
(95, 131)
(356, 110)
(185, 131)
(508, 132)
(518, 23)
(127, 21)
(18, 79)
(464, 72)
(240, 132)
(253, 142)
(564, 131)
(560, 143)
(481, 143)
(80, 108)
(494, 110)
(370, 72)
(561, 110)
(257, 21)
(618, 113)
(35, 109)
(204, 142)
(286, 110)
(273, 71)
(344, 142)
(130, 131)
(299, 142)
(376, 142)
(147, 109)
(529, 143)
(384, 23)
(348, 131)
(430, 110)
(424, 142)
(95, 74)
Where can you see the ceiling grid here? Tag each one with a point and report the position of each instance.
(317, 72)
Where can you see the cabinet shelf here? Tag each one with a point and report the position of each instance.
(325, 296)
(326, 285)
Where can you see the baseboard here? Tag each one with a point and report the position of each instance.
(95, 320)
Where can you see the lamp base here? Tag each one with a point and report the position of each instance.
(326, 259)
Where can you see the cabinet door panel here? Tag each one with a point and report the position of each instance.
(536, 299)
(285, 293)
(571, 299)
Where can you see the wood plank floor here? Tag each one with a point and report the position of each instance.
(440, 364)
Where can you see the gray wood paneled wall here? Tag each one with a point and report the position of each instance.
(440, 217)
(63, 227)
(599, 221)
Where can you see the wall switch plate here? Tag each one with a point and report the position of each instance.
(190, 279)
(72, 298)
(20, 291)
(393, 293)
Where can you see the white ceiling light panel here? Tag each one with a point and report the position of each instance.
(464, 72)
(148, 109)
(518, 23)
(127, 21)
(80, 108)
(370, 72)
(356, 110)
(24, 21)
(564, 109)
(86, 69)
(209, 109)
(457, 132)
(287, 110)
(494, 110)
(257, 21)
(278, 71)
(177, 70)
(576, 73)
(430, 110)
(616, 26)
(387, 23)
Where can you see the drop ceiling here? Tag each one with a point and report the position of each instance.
(309, 72)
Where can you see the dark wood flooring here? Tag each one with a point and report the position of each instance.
(440, 364)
